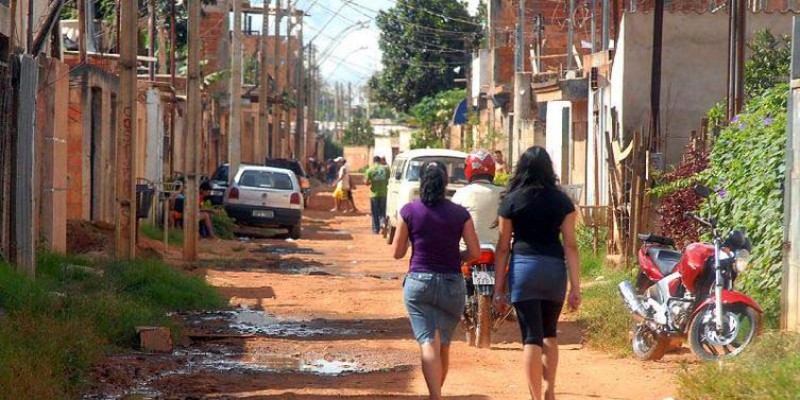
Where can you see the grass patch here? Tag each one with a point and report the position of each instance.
(54, 328)
(224, 226)
(175, 235)
(603, 314)
(769, 370)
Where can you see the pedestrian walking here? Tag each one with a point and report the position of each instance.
(343, 194)
(378, 181)
(434, 291)
(537, 213)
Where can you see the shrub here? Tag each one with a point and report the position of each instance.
(677, 196)
(747, 168)
(224, 226)
(769, 370)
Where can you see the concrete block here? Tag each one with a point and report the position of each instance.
(154, 339)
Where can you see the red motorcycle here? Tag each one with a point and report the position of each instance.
(690, 295)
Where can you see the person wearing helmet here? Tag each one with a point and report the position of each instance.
(480, 197)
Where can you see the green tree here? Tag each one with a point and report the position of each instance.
(423, 43)
(769, 63)
(432, 117)
(359, 133)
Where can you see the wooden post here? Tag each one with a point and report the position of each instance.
(151, 51)
(277, 111)
(790, 295)
(126, 139)
(235, 119)
(23, 247)
(190, 220)
(263, 87)
(81, 31)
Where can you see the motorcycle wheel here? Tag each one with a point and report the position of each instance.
(743, 324)
(484, 325)
(647, 344)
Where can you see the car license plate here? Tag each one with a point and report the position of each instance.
(264, 213)
(483, 277)
(217, 193)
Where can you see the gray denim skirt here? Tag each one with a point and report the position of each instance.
(434, 302)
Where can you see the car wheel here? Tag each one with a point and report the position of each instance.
(295, 231)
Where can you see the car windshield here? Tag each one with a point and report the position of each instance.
(455, 168)
(265, 180)
(221, 174)
(291, 165)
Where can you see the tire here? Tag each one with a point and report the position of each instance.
(647, 345)
(484, 326)
(702, 339)
(295, 231)
(390, 231)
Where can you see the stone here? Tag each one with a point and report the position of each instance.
(154, 339)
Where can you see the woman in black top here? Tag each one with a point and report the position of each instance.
(538, 215)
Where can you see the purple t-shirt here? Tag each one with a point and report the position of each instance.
(435, 233)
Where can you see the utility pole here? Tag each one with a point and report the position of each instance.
(571, 35)
(492, 65)
(287, 85)
(277, 111)
(790, 293)
(522, 87)
(263, 87)
(654, 138)
(126, 139)
(235, 118)
(190, 220)
(311, 122)
(349, 111)
(606, 26)
(736, 44)
(300, 129)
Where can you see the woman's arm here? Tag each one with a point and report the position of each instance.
(401, 239)
(572, 254)
(502, 253)
(471, 239)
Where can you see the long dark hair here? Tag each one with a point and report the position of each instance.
(433, 181)
(533, 170)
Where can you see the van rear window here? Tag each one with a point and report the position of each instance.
(265, 180)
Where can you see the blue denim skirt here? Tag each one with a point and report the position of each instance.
(434, 302)
(534, 277)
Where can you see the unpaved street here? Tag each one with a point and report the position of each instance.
(323, 318)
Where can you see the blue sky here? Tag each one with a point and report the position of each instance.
(354, 57)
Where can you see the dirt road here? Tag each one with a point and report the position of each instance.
(323, 318)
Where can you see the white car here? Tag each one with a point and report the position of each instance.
(404, 180)
(266, 196)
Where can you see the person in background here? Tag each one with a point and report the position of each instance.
(537, 214)
(343, 194)
(434, 291)
(378, 181)
(330, 175)
(500, 163)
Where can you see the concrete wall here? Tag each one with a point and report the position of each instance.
(694, 70)
(358, 157)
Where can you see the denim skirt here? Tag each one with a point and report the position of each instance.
(434, 302)
(535, 277)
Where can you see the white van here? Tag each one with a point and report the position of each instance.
(404, 180)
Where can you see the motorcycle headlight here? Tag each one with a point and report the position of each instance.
(742, 260)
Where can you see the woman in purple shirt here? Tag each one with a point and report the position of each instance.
(434, 290)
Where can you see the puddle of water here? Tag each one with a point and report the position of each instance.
(284, 250)
(254, 322)
(324, 367)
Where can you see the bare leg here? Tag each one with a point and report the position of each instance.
(336, 204)
(432, 367)
(445, 354)
(550, 364)
(206, 217)
(533, 369)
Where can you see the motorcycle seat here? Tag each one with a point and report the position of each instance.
(650, 238)
(665, 259)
